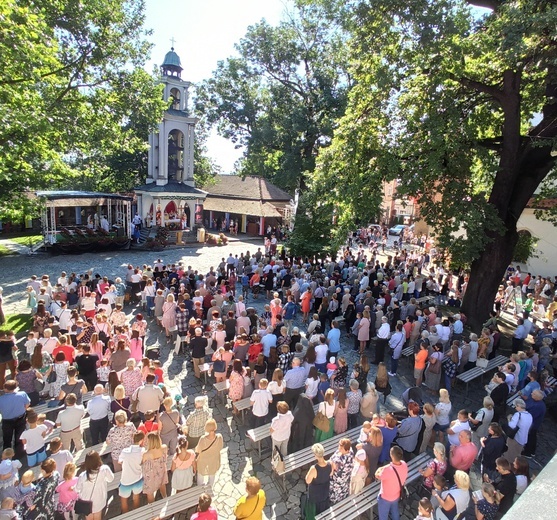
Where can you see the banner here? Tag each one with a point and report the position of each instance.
(199, 214)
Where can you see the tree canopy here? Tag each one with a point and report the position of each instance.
(75, 103)
(280, 97)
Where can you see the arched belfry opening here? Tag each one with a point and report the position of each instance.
(176, 156)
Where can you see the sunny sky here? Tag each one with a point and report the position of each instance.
(204, 33)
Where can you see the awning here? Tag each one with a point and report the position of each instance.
(241, 207)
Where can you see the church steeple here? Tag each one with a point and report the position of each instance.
(171, 66)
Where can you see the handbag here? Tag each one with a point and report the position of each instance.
(52, 376)
(219, 366)
(474, 427)
(511, 432)
(85, 507)
(482, 363)
(277, 461)
(321, 422)
(39, 385)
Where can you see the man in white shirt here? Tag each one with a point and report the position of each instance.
(148, 396)
(131, 481)
(383, 335)
(69, 421)
(98, 409)
(458, 425)
(321, 350)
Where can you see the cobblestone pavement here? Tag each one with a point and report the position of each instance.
(240, 458)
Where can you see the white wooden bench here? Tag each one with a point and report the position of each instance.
(301, 458)
(424, 299)
(205, 369)
(242, 405)
(476, 372)
(222, 387)
(43, 408)
(167, 507)
(408, 352)
(355, 505)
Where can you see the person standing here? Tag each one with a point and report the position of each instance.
(318, 479)
(251, 505)
(98, 409)
(148, 397)
(196, 420)
(522, 420)
(392, 477)
(131, 481)
(281, 427)
(208, 454)
(383, 335)
(93, 483)
(537, 408)
(69, 420)
(396, 343)
(198, 345)
(295, 380)
(13, 406)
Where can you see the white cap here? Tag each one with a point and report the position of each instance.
(361, 455)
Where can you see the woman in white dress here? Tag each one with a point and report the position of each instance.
(92, 484)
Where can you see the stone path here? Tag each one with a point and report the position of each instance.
(240, 458)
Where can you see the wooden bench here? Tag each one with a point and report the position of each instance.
(408, 352)
(242, 405)
(355, 505)
(301, 458)
(167, 507)
(43, 408)
(222, 387)
(476, 372)
(424, 299)
(102, 449)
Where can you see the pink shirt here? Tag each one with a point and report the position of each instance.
(463, 456)
(390, 488)
(66, 491)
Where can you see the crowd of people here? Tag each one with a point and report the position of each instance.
(287, 358)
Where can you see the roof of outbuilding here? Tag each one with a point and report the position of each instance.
(250, 187)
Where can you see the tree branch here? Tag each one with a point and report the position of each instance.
(491, 90)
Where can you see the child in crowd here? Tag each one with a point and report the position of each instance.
(149, 423)
(8, 511)
(30, 345)
(67, 495)
(331, 367)
(425, 510)
(364, 432)
(158, 372)
(60, 456)
(260, 400)
(42, 420)
(103, 372)
(8, 472)
(24, 493)
(33, 440)
(323, 386)
(248, 384)
(359, 472)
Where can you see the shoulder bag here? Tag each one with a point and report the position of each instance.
(52, 376)
(321, 422)
(404, 494)
(511, 432)
(85, 507)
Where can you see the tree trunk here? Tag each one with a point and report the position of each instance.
(484, 282)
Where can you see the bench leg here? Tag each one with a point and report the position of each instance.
(259, 449)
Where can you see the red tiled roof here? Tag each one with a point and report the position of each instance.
(249, 187)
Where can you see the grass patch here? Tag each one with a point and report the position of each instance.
(18, 322)
(5, 251)
(25, 240)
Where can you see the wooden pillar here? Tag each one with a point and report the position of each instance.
(261, 226)
(244, 223)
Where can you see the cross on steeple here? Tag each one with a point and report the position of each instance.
(172, 40)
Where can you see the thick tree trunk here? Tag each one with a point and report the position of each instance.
(484, 281)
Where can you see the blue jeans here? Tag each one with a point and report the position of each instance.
(394, 365)
(384, 508)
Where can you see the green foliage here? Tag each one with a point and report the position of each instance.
(525, 248)
(280, 97)
(75, 103)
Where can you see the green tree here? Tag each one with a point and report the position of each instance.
(75, 103)
(280, 96)
(444, 101)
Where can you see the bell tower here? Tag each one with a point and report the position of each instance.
(171, 146)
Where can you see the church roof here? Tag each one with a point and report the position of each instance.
(171, 187)
(254, 208)
(250, 187)
(172, 59)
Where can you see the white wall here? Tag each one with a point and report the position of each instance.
(546, 262)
